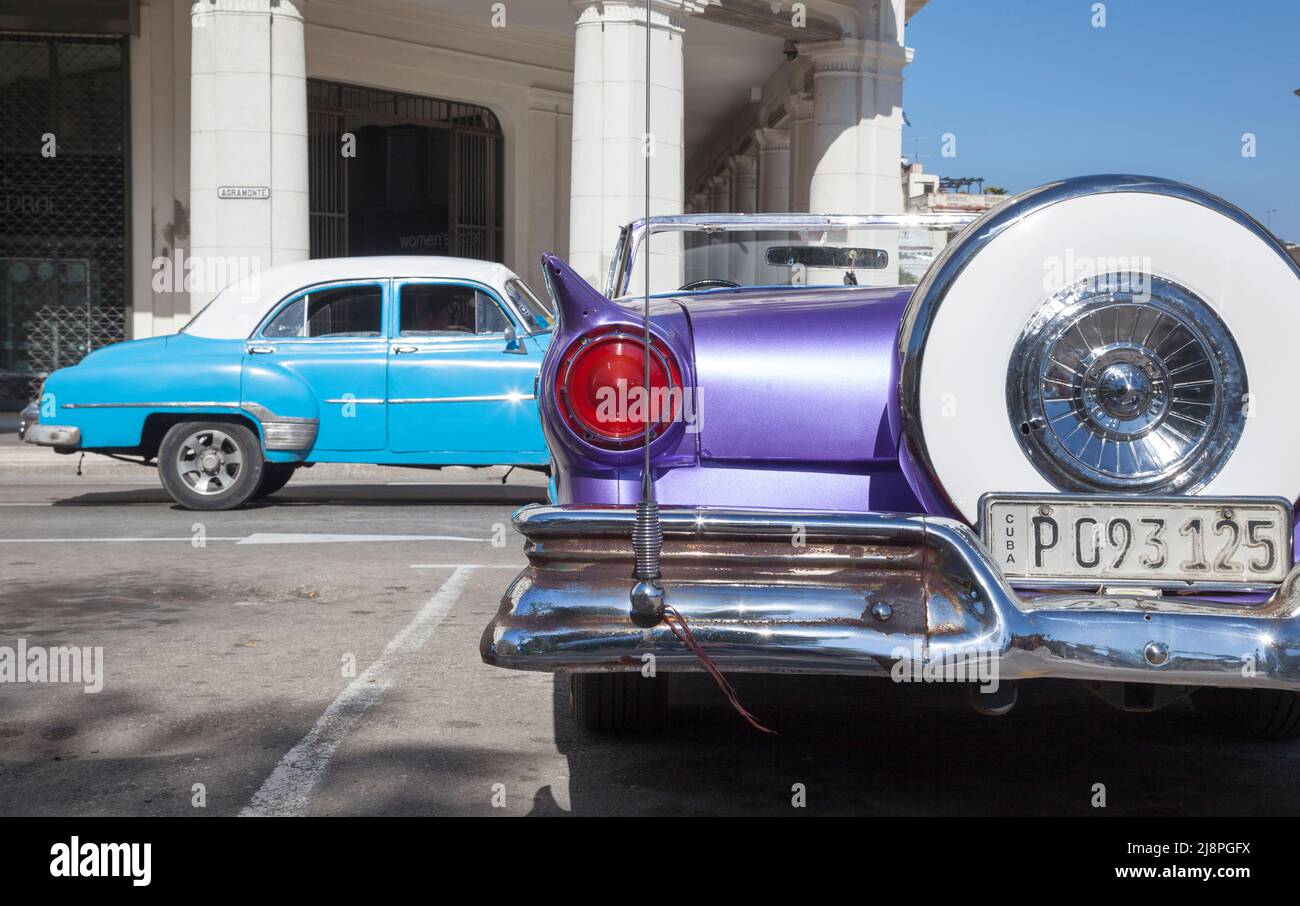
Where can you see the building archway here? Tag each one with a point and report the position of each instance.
(427, 176)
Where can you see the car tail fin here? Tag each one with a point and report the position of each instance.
(577, 302)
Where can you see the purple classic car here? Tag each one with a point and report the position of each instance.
(1069, 450)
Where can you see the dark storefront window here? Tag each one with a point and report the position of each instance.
(63, 223)
(426, 178)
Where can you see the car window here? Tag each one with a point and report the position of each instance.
(340, 311)
(534, 310)
(435, 309)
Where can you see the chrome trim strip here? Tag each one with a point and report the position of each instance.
(199, 405)
(364, 402)
(758, 603)
(924, 304)
(500, 397)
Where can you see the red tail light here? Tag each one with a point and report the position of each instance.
(599, 388)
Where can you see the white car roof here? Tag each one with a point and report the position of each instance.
(240, 307)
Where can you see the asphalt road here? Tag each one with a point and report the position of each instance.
(224, 665)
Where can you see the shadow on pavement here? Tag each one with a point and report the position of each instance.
(868, 747)
(307, 495)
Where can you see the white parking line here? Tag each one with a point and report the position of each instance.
(289, 789)
(475, 565)
(255, 538)
(108, 540)
(308, 538)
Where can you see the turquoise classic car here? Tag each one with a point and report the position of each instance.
(416, 361)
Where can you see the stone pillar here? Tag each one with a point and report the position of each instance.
(800, 107)
(773, 197)
(248, 133)
(550, 121)
(773, 169)
(695, 246)
(609, 133)
(719, 248)
(857, 137)
(744, 200)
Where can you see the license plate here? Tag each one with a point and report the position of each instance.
(1158, 541)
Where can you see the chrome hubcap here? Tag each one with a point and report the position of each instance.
(1110, 390)
(209, 461)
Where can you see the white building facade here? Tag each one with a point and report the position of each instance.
(256, 132)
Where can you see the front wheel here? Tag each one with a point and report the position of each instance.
(1250, 713)
(210, 465)
(619, 701)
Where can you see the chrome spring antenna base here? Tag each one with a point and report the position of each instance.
(647, 540)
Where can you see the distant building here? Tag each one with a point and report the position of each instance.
(923, 193)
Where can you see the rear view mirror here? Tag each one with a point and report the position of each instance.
(827, 256)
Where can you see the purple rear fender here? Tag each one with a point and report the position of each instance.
(791, 390)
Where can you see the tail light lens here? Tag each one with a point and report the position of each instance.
(599, 387)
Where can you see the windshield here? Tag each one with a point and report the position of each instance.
(701, 253)
(538, 315)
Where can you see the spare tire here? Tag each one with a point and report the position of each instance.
(1109, 335)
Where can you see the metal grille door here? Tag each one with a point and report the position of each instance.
(475, 229)
(427, 177)
(63, 204)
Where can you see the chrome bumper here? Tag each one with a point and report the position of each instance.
(52, 435)
(863, 594)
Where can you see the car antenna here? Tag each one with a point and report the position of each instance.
(648, 598)
(649, 603)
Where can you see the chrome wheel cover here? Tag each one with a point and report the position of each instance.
(209, 462)
(1112, 390)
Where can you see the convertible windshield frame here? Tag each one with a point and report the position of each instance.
(632, 236)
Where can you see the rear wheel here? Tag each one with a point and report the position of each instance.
(275, 476)
(619, 701)
(1250, 713)
(210, 465)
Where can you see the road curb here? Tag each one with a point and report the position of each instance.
(28, 464)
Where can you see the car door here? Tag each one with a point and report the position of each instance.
(325, 348)
(456, 386)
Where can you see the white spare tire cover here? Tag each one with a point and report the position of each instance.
(1041, 353)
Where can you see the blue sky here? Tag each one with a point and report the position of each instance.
(1031, 92)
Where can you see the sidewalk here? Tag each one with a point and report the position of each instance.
(19, 461)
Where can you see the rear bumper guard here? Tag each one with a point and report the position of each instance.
(864, 594)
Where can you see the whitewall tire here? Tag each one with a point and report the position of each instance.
(965, 329)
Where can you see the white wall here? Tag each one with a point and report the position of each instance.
(160, 155)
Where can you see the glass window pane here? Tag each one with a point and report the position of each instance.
(431, 309)
(345, 311)
(490, 317)
(290, 322)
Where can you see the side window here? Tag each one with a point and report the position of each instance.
(340, 311)
(434, 309)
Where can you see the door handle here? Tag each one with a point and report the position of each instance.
(261, 350)
(404, 349)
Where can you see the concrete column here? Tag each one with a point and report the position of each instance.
(857, 136)
(744, 200)
(248, 131)
(773, 197)
(610, 144)
(550, 121)
(719, 248)
(800, 107)
(773, 169)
